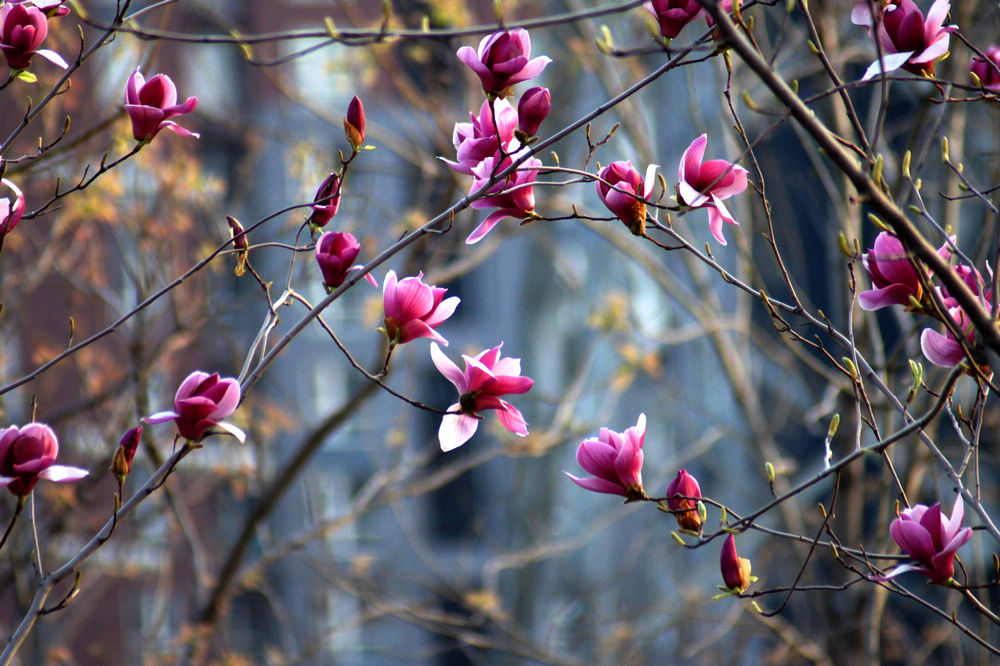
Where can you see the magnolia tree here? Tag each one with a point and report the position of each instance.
(792, 301)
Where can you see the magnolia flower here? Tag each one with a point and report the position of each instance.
(895, 280)
(910, 41)
(512, 197)
(972, 279)
(10, 213)
(986, 70)
(354, 123)
(704, 184)
(202, 401)
(735, 569)
(928, 537)
(503, 60)
(27, 454)
(683, 494)
(532, 109)
(335, 250)
(944, 349)
(326, 202)
(624, 192)
(414, 309)
(615, 460)
(149, 104)
(485, 379)
(23, 28)
(673, 15)
(475, 141)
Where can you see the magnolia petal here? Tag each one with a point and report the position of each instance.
(890, 63)
(233, 430)
(649, 181)
(450, 371)
(161, 417)
(940, 349)
(715, 221)
(445, 309)
(486, 226)
(913, 538)
(597, 485)
(894, 294)
(511, 419)
(456, 429)
(63, 473)
(52, 57)
(177, 129)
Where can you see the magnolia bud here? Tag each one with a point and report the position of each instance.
(354, 124)
(121, 462)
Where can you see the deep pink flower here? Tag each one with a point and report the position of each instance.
(704, 184)
(735, 569)
(354, 123)
(414, 309)
(673, 15)
(326, 202)
(202, 401)
(335, 250)
(944, 349)
(502, 60)
(683, 494)
(149, 104)
(532, 109)
(485, 379)
(23, 28)
(10, 213)
(625, 192)
(928, 537)
(986, 69)
(895, 279)
(27, 454)
(475, 141)
(615, 460)
(514, 196)
(910, 41)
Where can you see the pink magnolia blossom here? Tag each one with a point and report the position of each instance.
(615, 461)
(10, 213)
(985, 69)
(895, 279)
(149, 104)
(414, 309)
(335, 250)
(532, 109)
(931, 539)
(503, 59)
(973, 280)
(944, 349)
(326, 202)
(673, 15)
(704, 184)
(735, 569)
(683, 494)
(202, 401)
(910, 41)
(23, 28)
(485, 379)
(28, 454)
(625, 192)
(354, 123)
(512, 197)
(475, 141)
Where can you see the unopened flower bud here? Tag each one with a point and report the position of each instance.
(683, 494)
(534, 106)
(326, 202)
(735, 569)
(354, 123)
(121, 462)
(240, 242)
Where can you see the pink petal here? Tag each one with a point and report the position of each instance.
(161, 417)
(597, 485)
(486, 226)
(448, 369)
(511, 419)
(63, 473)
(940, 349)
(913, 538)
(456, 429)
(692, 158)
(890, 63)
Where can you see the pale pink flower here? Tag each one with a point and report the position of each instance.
(10, 213)
(28, 454)
(625, 193)
(23, 28)
(704, 184)
(931, 539)
(201, 402)
(475, 141)
(514, 196)
(503, 59)
(485, 379)
(149, 104)
(615, 461)
(414, 309)
(910, 41)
